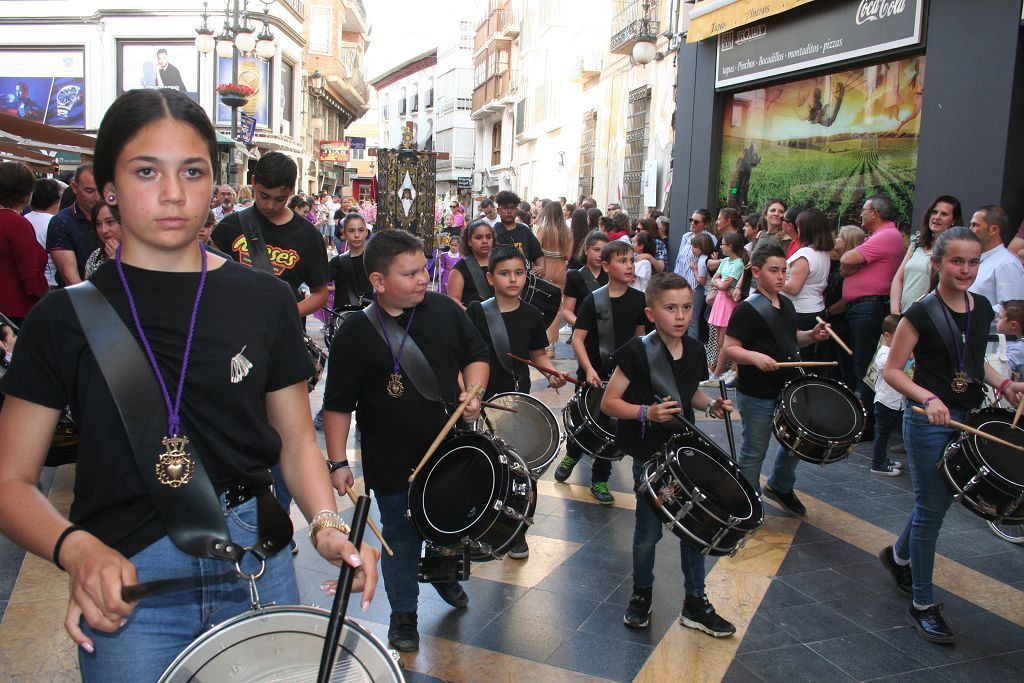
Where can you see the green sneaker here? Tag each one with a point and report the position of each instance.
(599, 490)
(564, 468)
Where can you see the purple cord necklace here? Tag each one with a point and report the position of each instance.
(395, 387)
(175, 467)
(959, 383)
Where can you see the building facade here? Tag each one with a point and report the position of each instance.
(453, 127)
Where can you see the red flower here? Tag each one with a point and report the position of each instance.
(236, 89)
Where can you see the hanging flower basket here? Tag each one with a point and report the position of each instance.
(234, 95)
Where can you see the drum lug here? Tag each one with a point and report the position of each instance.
(742, 543)
(718, 537)
(983, 472)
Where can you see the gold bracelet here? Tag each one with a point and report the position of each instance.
(317, 527)
(332, 513)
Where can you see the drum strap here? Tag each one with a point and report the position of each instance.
(250, 224)
(588, 278)
(605, 325)
(415, 364)
(191, 514)
(479, 279)
(933, 307)
(662, 380)
(784, 339)
(499, 337)
(349, 276)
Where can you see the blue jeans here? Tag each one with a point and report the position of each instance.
(281, 492)
(162, 626)
(886, 420)
(698, 309)
(865, 321)
(400, 570)
(646, 535)
(932, 496)
(756, 415)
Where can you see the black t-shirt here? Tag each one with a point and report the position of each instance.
(526, 332)
(397, 431)
(689, 370)
(747, 325)
(296, 249)
(225, 422)
(576, 286)
(359, 284)
(627, 313)
(522, 237)
(469, 290)
(933, 367)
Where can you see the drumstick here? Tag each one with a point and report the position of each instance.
(728, 419)
(1016, 415)
(340, 606)
(547, 370)
(373, 527)
(473, 392)
(807, 363)
(835, 337)
(146, 589)
(977, 432)
(497, 406)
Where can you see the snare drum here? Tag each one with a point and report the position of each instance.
(818, 419)
(987, 477)
(702, 496)
(337, 317)
(473, 491)
(319, 358)
(588, 427)
(543, 294)
(281, 644)
(532, 431)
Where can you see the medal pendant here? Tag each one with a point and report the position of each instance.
(395, 387)
(959, 383)
(175, 467)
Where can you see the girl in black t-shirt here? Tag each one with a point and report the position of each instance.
(157, 150)
(576, 287)
(476, 247)
(947, 391)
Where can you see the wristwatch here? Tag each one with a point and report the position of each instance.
(333, 466)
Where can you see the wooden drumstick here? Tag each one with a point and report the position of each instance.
(835, 337)
(473, 392)
(497, 406)
(373, 527)
(977, 432)
(807, 363)
(1016, 415)
(546, 371)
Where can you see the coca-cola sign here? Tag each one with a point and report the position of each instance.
(816, 34)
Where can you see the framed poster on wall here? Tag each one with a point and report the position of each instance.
(158, 64)
(45, 85)
(254, 73)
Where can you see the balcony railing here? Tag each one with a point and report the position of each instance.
(502, 24)
(492, 91)
(631, 26)
(350, 58)
(585, 68)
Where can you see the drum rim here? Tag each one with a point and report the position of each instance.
(978, 452)
(491, 497)
(835, 385)
(734, 475)
(269, 611)
(549, 416)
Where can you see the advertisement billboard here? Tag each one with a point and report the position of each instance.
(161, 64)
(335, 151)
(46, 86)
(254, 73)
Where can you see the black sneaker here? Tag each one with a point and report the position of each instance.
(452, 593)
(638, 613)
(787, 500)
(886, 470)
(564, 469)
(901, 577)
(894, 463)
(700, 614)
(599, 490)
(930, 624)
(402, 633)
(519, 550)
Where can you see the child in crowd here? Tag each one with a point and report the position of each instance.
(581, 282)
(446, 262)
(726, 279)
(630, 398)
(888, 405)
(524, 335)
(642, 269)
(1011, 322)
(625, 307)
(756, 329)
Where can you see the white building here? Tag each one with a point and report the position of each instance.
(453, 127)
(402, 94)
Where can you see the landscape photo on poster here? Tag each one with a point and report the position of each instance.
(826, 142)
(46, 86)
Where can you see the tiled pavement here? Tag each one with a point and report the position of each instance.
(810, 597)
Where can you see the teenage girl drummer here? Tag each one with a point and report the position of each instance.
(946, 391)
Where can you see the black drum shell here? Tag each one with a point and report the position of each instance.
(588, 427)
(998, 494)
(532, 431)
(801, 440)
(545, 295)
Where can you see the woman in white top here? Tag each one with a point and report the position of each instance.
(807, 275)
(913, 279)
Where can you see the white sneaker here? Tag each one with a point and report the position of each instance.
(729, 377)
(711, 381)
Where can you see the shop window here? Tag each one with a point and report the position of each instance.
(826, 142)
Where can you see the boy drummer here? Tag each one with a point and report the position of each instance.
(517, 328)
(762, 331)
(630, 397)
(620, 314)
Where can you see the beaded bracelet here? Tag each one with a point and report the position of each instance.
(642, 416)
(60, 541)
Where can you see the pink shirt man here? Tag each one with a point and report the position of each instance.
(882, 251)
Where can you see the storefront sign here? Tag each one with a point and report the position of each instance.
(465, 182)
(46, 86)
(337, 151)
(709, 18)
(820, 33)
(357, 143)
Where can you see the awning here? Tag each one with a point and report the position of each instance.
(711, 17)
(39, 135)
(35, 160)
(226, 141)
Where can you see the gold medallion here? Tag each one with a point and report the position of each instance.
(395, 387)
(175, 467)
(959, 383)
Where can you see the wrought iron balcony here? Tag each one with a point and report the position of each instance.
(633, 24)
